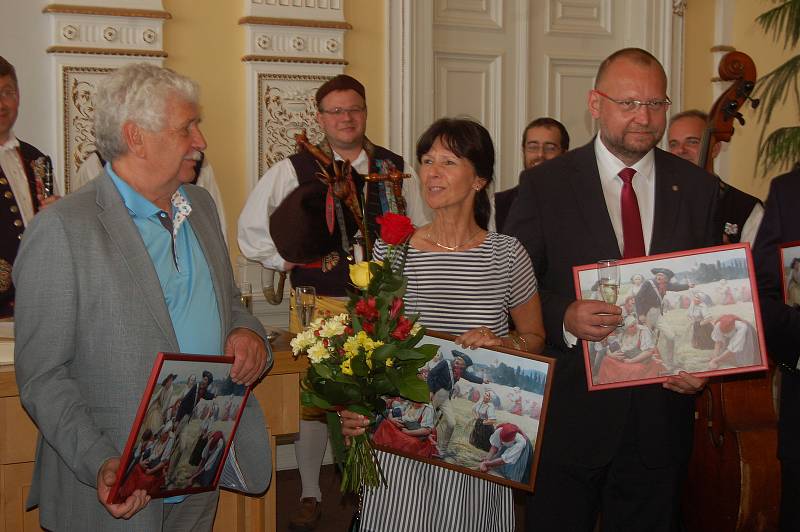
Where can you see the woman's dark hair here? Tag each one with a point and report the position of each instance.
(467, 139)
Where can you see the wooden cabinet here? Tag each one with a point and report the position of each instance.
(278, 393)
(17, 449)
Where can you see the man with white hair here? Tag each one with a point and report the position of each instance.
(131, 265)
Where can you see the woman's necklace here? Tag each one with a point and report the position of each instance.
(436, 243)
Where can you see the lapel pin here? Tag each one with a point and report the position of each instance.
(674, 188)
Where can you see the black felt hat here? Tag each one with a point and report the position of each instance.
(669, 273)
(467, 360)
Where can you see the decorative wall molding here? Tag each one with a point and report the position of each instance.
(69, 9)
(291, 48)
(87, 42)
(296, 22)
(469, 13)
(286, 106)
(572, 17)
(679, 7)
(105, 51)
(79, 88)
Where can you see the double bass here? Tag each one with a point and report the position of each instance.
(734, 473)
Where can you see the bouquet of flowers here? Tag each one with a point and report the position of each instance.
(371, 352)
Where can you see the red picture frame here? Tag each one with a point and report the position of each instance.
(184, 426)
(703, 319)
(523, 404)
(790, 260)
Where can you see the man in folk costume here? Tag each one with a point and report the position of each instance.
(650, 304)
(738, 213)
(23, 172)
(294, 222)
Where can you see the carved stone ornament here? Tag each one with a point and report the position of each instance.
(80, 86)
(287, 106)
(110, 33)
(69, 32)
(264, 42)
(332, 45)
(679, 7)
(299, 43)
(149, 36)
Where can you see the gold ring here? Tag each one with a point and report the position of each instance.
(484, 331)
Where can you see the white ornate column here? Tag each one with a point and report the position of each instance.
(291, 48)
(88, 40)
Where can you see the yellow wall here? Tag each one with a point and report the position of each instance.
(205, 42)
(748, 37)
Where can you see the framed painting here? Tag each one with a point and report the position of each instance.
(184, 426)
(485, 417)
(694, 311)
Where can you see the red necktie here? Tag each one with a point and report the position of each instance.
(632, 236)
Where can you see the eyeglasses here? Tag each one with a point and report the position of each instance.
(547, 148)
(630, 106)
(341, 111)
(8, 94)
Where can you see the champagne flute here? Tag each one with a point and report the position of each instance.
(608, 280)
(305, 302)
(246, 295)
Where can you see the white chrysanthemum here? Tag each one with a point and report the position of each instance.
(343, 318)
(318, 353)
(331, 328)
(316, 324)
(302, 341)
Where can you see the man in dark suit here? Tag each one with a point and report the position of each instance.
(621, 452)
(781, 224)
(543, 139)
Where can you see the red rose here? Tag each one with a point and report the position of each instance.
(367, 308)
(403, 328)
(395, 228)
(396, 307)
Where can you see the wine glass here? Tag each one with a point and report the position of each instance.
(305, 302)
(608, 280)
(246, 295)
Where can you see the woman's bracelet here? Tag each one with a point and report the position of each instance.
(514, 340)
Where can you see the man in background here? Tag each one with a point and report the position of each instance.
(738, 213)
(131, 265)
(23, 184)
(543, 139)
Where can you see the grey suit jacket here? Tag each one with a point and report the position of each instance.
(90, 320)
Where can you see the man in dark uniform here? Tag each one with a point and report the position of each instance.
(23, 172)
(738, 213)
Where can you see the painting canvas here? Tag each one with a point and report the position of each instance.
(485, 417)
(694, 311)
(184, 426)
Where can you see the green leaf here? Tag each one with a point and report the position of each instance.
(309, 398)
(323, 370)
(410, 354)
(414, 389)
(383, 352)
(337, 439)
(359, 365)
(780, 150)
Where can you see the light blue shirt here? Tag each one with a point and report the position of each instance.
(182, 272)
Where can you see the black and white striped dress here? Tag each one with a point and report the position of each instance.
(452, 293)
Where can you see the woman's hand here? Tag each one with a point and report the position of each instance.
(479, 337)
(352, 424)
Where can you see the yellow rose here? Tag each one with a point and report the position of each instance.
(346, 367)
(360, 274)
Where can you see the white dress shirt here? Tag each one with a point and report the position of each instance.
(11, 163)
(255, 241)
(644, 184)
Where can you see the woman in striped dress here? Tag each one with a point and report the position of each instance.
(462, 280)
